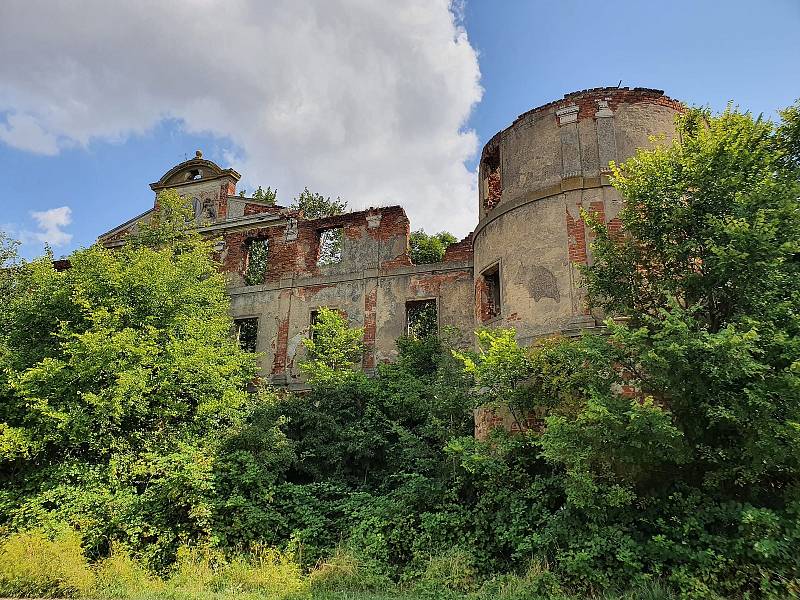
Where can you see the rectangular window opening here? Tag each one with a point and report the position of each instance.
(312, 329)
(247, 333)
(257, 251)
(422, 318)
(330, 246)
(490, 296)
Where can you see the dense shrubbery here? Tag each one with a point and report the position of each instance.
(124, 417)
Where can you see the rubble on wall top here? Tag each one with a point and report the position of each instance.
(631, 94)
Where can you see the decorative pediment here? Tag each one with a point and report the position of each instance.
(192, 171)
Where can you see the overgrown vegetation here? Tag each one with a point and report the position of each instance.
(425, 249)
(666, 466)
(316, 206)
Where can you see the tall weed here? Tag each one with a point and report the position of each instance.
(34, 565)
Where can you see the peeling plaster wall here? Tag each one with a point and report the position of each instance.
(370, 285)
(554, 163)
(284, 313)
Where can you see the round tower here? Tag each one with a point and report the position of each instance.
(534, 179)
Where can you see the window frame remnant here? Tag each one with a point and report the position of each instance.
(329, 246)
(246, 329)
(256, 260)
(422, 318)
(491, 293)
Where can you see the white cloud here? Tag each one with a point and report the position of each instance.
(50, 224)
(365, 99)
(25, 133)
(50, 230)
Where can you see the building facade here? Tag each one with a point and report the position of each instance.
(518, 268)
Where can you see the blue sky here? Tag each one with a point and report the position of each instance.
(382, 107)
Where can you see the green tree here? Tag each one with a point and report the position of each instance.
(267, 196)
(9, 265)
(334, 348)
(316, 206)
(118, 375)
(708, 275)
(425, 249)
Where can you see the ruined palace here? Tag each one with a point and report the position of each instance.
(517, 268)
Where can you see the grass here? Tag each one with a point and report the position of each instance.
(35, 565)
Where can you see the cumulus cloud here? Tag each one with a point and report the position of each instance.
(50, 224)
(50, 229)
(366, 99)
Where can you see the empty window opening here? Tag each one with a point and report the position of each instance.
(247, 333)
(315, 319)
(312, 329)
(330, 246)
(422, 319)
(257, 252)
(492, 183)
(490, 293)
(194, 174)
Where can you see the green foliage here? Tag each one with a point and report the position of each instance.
(316, 206)
(423, 320)
(709, 278)
(426, 248)
(33, 565)
(117, 376)
(333, 348)
(267, 196)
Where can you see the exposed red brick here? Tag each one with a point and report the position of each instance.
(615, 229)
(487, 418)
(394, 223)
(225, 190)
(353, 231)
(598, 210)
(254, 208)
(576, 239)
(460, 251)
(309, 291)
(483, 308)
(431, 284)
(404, 260)
(236, 244)
(586, 100)
(495, 189)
